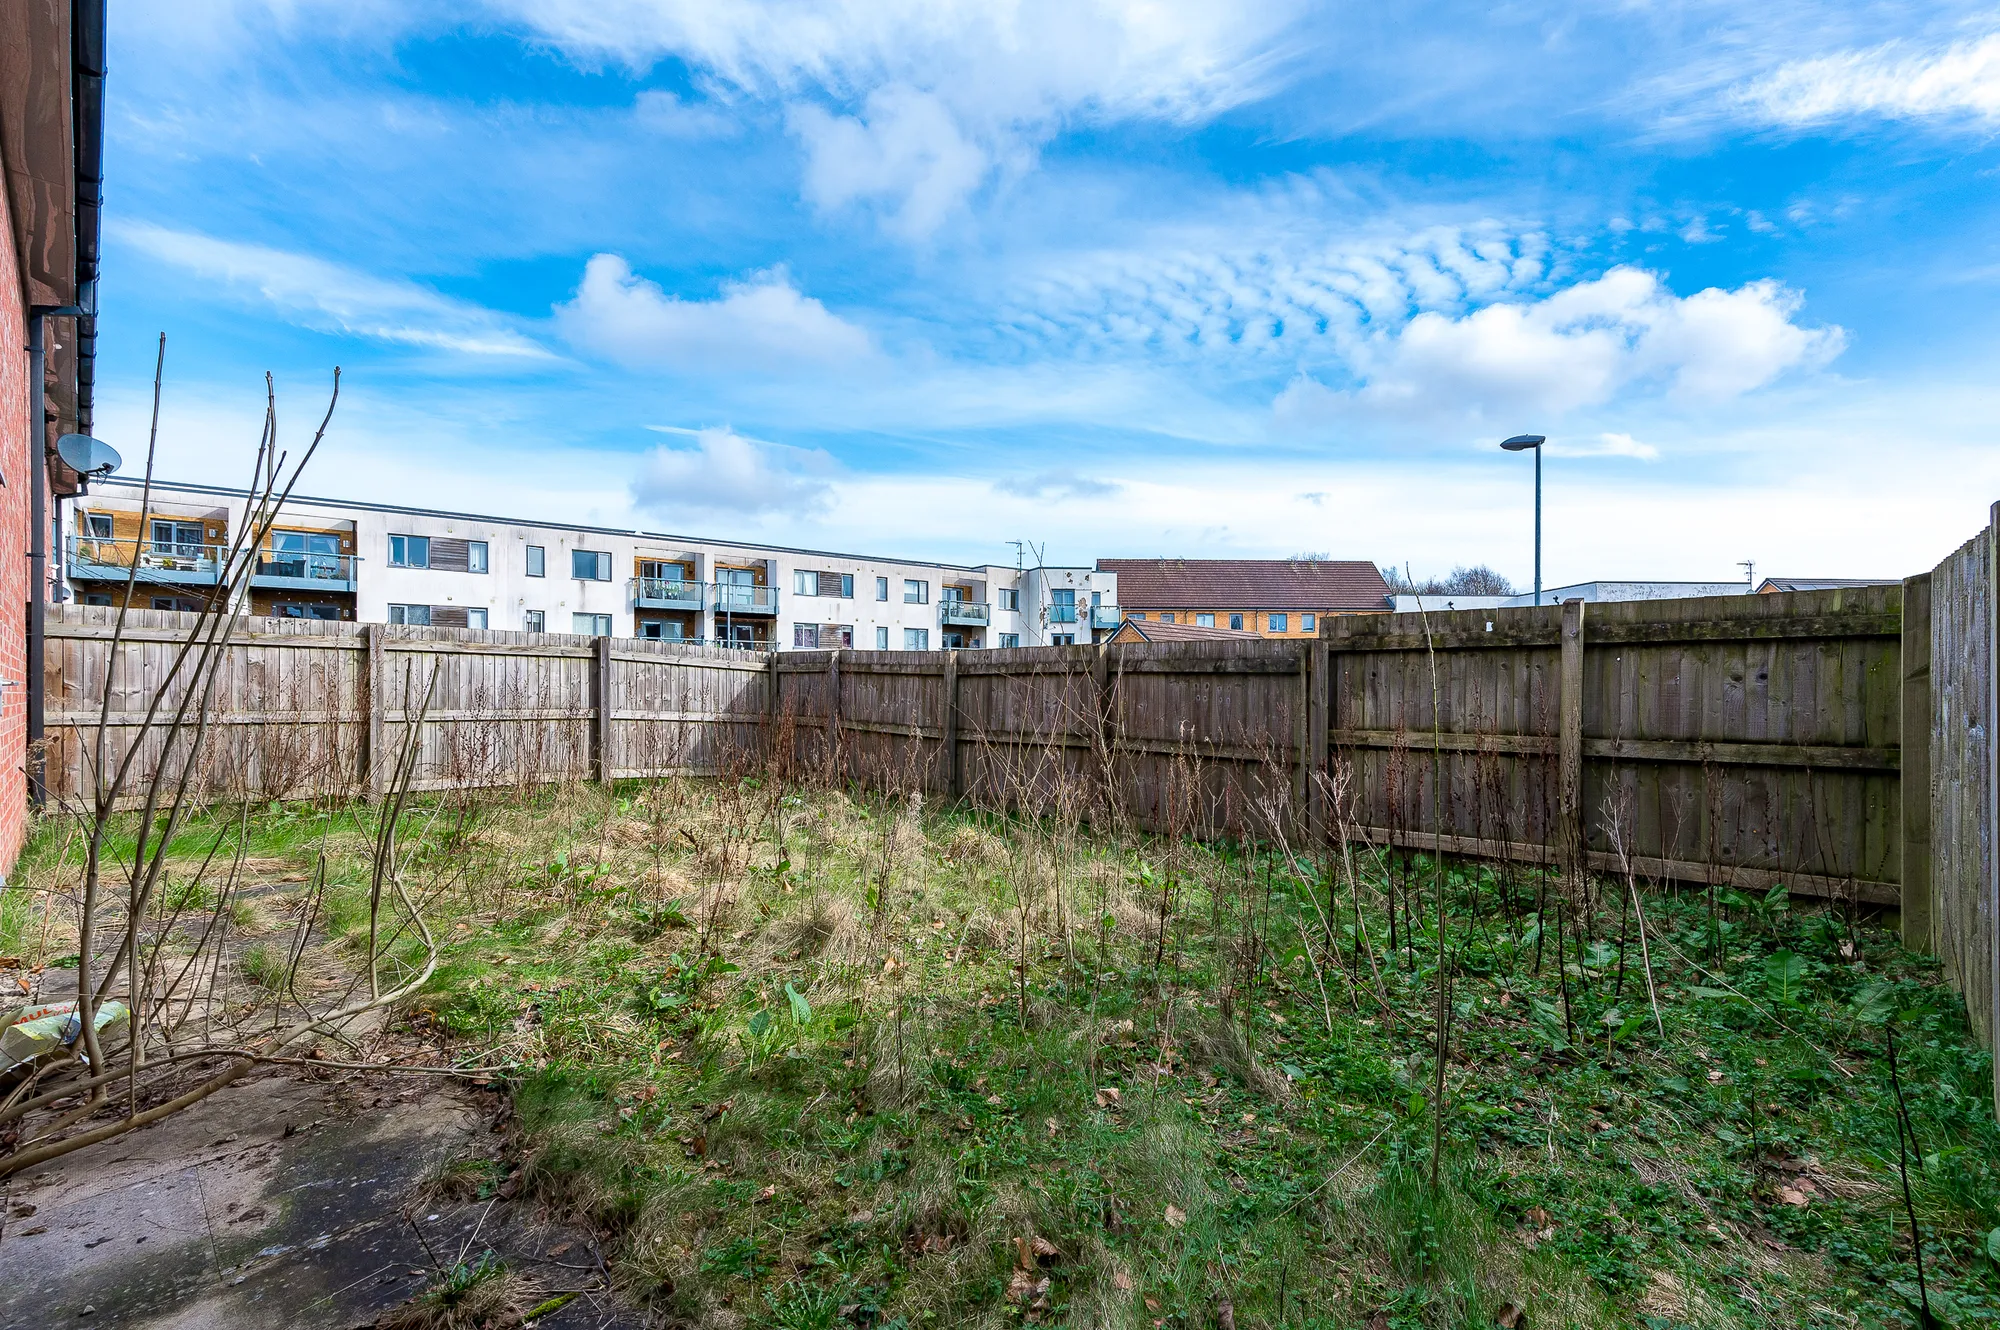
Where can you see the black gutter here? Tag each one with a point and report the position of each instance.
(87, 23)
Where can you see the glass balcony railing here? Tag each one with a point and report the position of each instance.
(741, 598)
(666, 593)
(964, 613)
(103, 559)
(1106, 616)
(1062, 614)
(295, 569)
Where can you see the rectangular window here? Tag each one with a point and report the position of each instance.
(534, 621)
(97, 525)
(1010, 598)
(416, 616)
(915, 592)
(591, 625)
(831, 585)
(1204, 621)
(916, 639)
(881, 588)
(805, 583)
(1010, 639)
(1236, 622)
(409, 552)
(836, 634)
(805, 636)
(96, 598)
(292, 610)
(538, 564)
(882, 634)
(1309, 623)
(475, 556)
(663, 630)
(1062, 639)
(179, 540)
(1168, 617)
(1278, 623)
(1135, 614)
(954, 595)
(590, 566)
(1096, 599)
(185, 604)
(475, 618)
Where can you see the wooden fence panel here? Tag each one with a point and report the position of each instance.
(1964, 905)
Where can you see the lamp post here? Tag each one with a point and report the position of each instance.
(1522, 443)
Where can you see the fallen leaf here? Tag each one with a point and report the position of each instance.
(1042, 1247)
(1510, 1317)
(766, 1194)
(1176, 1216)
(1122, 1280)
(1793, 1196)
(1107, 1097)
(560, 1249)
(1538, 1217)
(1052, 1125)
(1152, 1304)
(1714, 1075)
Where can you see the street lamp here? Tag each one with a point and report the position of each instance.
(1522, 443)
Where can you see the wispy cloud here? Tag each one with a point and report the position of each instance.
(913, 105)
(1057, 485)
(761, 326)
(1894, 81)
(330, 297)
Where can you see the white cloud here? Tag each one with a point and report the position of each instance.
(1057, 485)
(1575, 349)
(1604, 445)
(329, 297)
(724, 472)
(919, 101)
(905, 150)
(1891, 81)
(760, 326)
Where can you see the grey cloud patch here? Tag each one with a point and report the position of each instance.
(1057, 485)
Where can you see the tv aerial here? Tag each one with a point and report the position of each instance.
(90, 458)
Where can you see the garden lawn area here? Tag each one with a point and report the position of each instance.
(811, 1057)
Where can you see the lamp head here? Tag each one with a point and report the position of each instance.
(1520, 443)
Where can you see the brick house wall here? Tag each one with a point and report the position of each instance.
(14, 533)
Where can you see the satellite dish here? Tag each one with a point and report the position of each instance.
(87, 456)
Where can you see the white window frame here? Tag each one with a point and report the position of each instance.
(534, 621)
(916, 591)
(408, 544)
(1204, 621)
(1010, 599)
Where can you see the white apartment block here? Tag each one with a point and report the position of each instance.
(378, 563)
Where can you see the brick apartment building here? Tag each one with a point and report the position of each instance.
(1268, 597)
(51, 149)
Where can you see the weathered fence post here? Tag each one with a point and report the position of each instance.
(373, 703)
(1569, 743)
(1319, 696)
(771, 711)
(1914, 778)
(1989, 913)
(833, 707)
(954, 780)
(600, 688)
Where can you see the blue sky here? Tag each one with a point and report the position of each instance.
(1119, 277)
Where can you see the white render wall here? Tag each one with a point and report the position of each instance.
(507, 593)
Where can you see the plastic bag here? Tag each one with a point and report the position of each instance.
(34, 1031)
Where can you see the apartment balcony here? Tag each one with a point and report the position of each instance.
(734, 598)
(287, 570)
(663, 593)
(90, 559)
(964, 613)
(1106, 616)
(1062, 614)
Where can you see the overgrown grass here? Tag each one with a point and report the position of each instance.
(925, 1067)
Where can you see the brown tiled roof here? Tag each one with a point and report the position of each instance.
(1152, 630)
(1248, 584)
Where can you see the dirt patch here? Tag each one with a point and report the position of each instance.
(281, 1201)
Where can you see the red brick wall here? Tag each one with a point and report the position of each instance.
(14, 527)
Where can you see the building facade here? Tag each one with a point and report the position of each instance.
(337, 559)
(1282, 598)
(51, 132)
